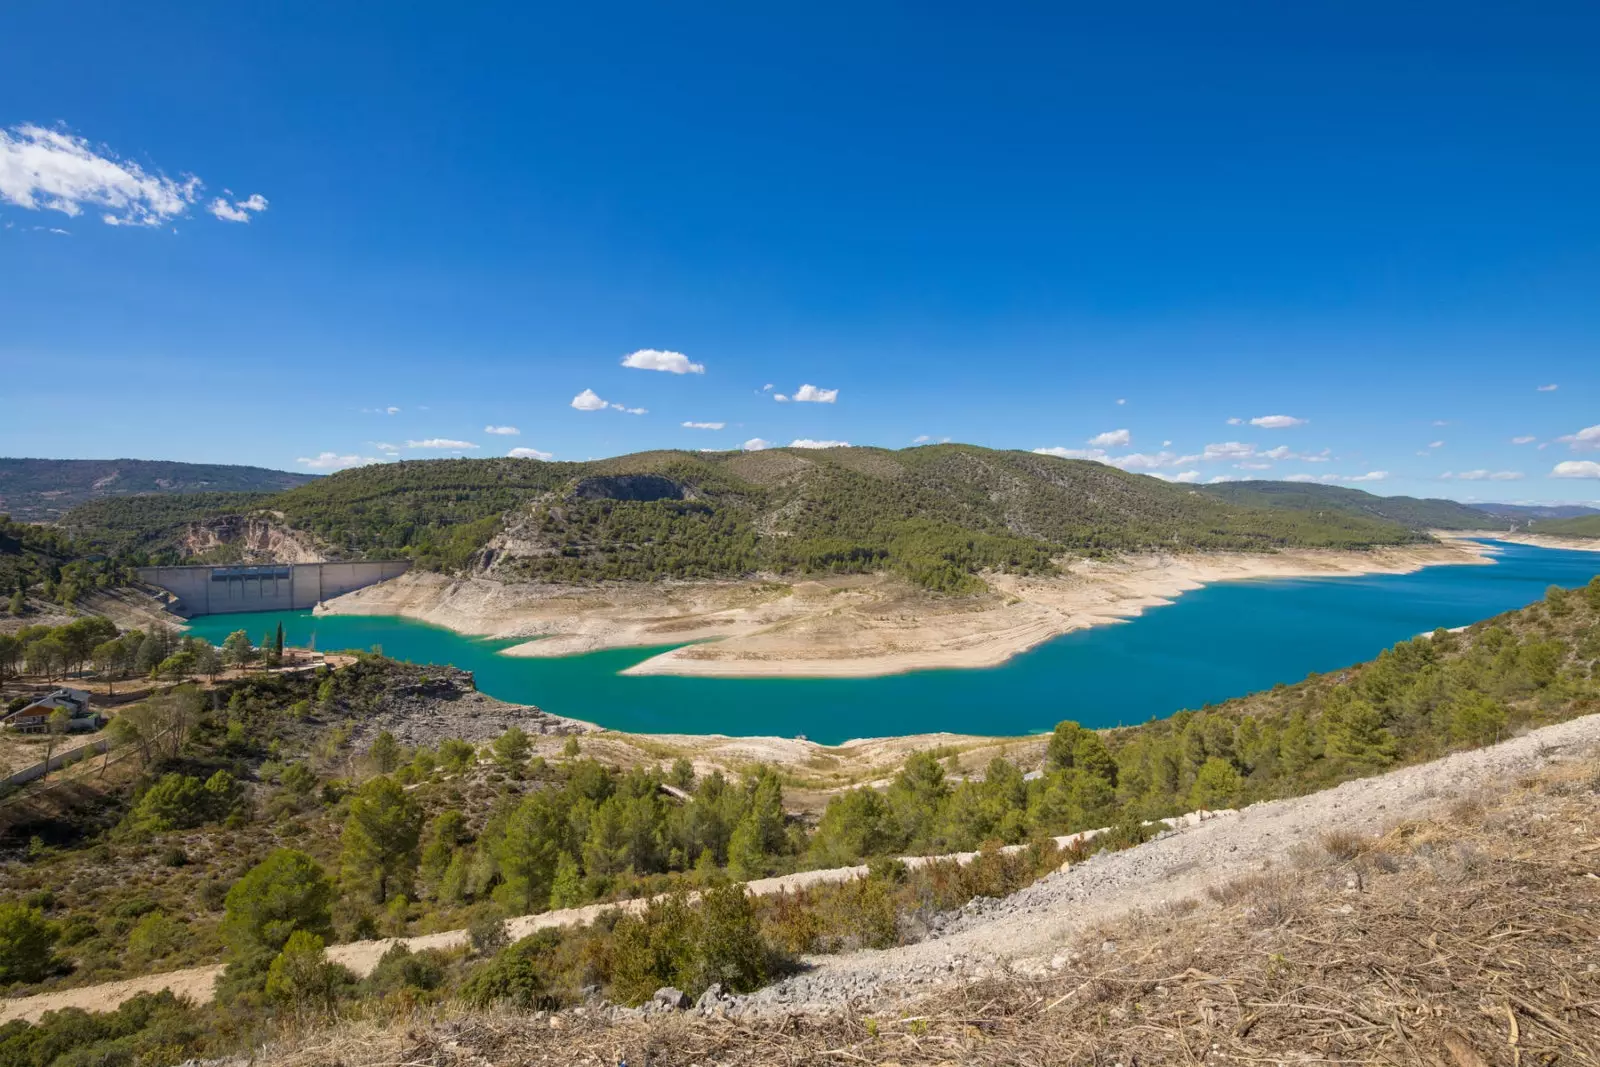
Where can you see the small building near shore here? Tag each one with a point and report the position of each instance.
(34, 718)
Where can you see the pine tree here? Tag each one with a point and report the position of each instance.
(380, 839)
(566, 888)
(1217, 785)
(385, 752)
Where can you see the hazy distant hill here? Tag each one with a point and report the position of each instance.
(41, 490)
(1409, 511)
(936, 514)
(1582, 526)
(1529, 512)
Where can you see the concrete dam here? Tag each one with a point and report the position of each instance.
(266, 587)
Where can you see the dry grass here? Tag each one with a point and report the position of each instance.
(1458, 942)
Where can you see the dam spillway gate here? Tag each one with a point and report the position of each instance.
(219, 590)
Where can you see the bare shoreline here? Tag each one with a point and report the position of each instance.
(1569, 544)
(850, 626)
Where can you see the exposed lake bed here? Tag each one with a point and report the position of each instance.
(1213, 642)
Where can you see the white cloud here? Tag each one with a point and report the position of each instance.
(1576, 468)
(442, 443)
(1548, 388)
(1441, 422)
(1526, 439)
(503, 431)
(755, 444)
(384, 446)
(1186, 476)
(1166, 444)
(1235, 422)
(767, 388)
(1224, 450)
(921, 439)
(1111, 439)
(1584, 440)
(1277, 422)
(1074, 453)
(1121, 400)
(1144, 461)
(806, 442)
(632, 411)
(1253, 466)
(1435, 444)
(332, 461)
(1285, 452)
(810, 394)
(239, 210)
(704, 425)
(587, 401)
(1370, 476)
(780, 398)
(1484, 476)
(654, 359)
(50, 170)
(529, 453)
(391, 410)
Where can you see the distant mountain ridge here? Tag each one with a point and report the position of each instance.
(938, 515)
(1532, 512)
(1413, 513)
(43, 490)
(1579, 526)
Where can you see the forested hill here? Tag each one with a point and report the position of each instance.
(1583, 526)
(1408, 511)
(1531, 512)
(937, 514)
(42, 490)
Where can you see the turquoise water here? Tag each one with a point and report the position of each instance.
(1217, 642)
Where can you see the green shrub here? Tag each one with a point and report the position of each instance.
(302, 977)
(512, 978)
(284, 894)
(401, 969)
(27, 944)
(672, 943)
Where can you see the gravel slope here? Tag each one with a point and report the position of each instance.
(1028, 930)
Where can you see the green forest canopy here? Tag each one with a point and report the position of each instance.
(939, 515)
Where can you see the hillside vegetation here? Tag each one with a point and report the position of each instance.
(1584, 526)
(938, 515)
(42, 490)
(1407, 511)
(255, 832)
(1525, 512)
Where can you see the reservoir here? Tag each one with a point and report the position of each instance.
(1217, 642)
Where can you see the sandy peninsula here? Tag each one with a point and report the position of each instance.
(849, 626)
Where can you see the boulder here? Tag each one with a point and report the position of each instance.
(673, 999)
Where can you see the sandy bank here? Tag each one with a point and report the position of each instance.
(851, 626)
(1022, 613)
(1571, 544)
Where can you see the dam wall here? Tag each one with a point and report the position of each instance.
(267, 586)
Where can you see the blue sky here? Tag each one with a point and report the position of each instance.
(355, 225)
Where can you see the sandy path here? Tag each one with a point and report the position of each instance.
(854, 626)
(362, 956)
(1024, 930)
